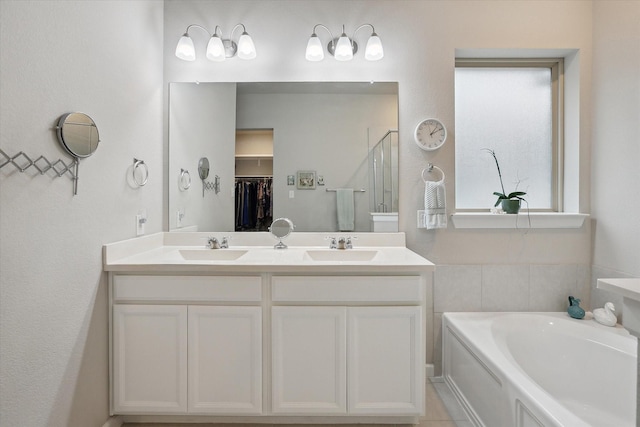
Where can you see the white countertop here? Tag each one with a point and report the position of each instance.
(166, 252)
(628, 288)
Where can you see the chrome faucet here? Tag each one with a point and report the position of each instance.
(340, 243)
(213, 243)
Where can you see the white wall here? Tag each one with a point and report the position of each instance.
(420, 39)
(421, 58)
(103, 58)
(616, 143)
(57, 57)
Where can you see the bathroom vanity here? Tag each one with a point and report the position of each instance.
(251, 333)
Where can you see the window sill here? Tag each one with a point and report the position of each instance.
(521, 220)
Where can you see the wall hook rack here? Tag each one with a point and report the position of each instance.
(208, 185)
(23, 162)
(77, 134)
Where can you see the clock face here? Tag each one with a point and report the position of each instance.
(430, 134)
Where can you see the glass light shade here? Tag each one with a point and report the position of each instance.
(314, 49)
(185, 49)
(374, 51)
(215, 49)
(344, 51)
(246, 48)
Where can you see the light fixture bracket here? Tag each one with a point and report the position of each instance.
(331, 47)
(230, 48)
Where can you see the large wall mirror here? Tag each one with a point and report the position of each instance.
(281, 150)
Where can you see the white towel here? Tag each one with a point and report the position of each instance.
(435, 204)
(346, 210)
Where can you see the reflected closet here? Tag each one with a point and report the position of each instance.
(253, 179)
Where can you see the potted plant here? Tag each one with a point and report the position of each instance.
(510, 202)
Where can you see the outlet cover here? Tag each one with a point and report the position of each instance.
(141, 220)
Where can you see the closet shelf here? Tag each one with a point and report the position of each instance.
(254, 156)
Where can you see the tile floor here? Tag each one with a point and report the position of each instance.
(441, 410)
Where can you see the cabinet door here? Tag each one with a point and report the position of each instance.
(309, 360)
(386, 360)
(225, 360)
(149, 359)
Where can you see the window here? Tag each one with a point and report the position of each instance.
(514, 108)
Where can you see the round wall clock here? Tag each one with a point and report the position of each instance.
(430, 134)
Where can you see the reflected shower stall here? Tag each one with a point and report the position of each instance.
(383, 172)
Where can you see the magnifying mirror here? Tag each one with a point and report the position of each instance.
(203, 168)
(280, 229)
(78, 134)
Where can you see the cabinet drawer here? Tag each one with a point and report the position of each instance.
(382, 289)
(187, 288)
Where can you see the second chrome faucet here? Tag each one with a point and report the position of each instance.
(340, 243)
(213, 243)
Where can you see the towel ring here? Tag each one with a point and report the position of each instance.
(184, 183)
(137, 164)
(430, 167)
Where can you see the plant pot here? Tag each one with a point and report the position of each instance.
(511, 206)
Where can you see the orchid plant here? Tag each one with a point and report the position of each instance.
(515, 195)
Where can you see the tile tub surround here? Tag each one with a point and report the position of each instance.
(504, 287)
(495, 287)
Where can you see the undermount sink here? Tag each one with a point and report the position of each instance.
(212, 254)
(341, 255)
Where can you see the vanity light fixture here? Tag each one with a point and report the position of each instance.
(343, 48)
(218, 49)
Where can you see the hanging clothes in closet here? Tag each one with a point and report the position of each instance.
(254, 204)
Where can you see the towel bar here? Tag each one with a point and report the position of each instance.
(362, 190)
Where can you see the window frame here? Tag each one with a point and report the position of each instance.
(556, 65)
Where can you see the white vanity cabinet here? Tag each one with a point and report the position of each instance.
(306, 335)
(179, 347)
(309, 373)
(359, 353)
(149, 358)
(225, 360)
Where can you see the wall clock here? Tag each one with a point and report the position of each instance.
(430, 134)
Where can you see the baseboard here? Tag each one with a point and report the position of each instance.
(118, 422)
(113, 422)
(429, 370)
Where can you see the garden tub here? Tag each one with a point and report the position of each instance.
(540, 369)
